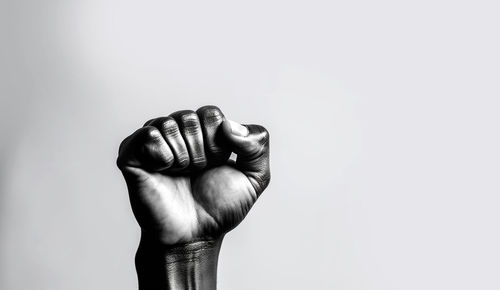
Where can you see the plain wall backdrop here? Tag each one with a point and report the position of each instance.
(384, 121)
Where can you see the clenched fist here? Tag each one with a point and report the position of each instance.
(183, 186)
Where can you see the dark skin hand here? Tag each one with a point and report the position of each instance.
(186, 193)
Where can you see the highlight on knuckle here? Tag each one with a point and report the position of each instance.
(191, 124)
(152, 134)
(264, 134)
(169, 127)
(263, 137)
(211, 114)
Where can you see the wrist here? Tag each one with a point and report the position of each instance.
(190, 265)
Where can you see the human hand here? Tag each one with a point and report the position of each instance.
(182, 185)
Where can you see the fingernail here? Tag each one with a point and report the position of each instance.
(238, 129)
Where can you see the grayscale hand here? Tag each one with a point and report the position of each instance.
(184, 190)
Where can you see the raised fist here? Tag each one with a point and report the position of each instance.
(183, 186)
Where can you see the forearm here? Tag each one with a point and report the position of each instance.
(190, 266)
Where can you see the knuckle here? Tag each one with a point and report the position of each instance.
(189, 117)
(169, 160)
(183, 160)
(264, 132)
(264, 136)
(148, 122)
(169, 127)
(152, 134)
(210, 114)
(261, 134)
(207, 108)
(119, 161)
(121, 149)
(123, 145)
(190, 123)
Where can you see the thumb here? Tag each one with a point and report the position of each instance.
(251, 144)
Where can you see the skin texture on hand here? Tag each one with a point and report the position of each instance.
(186, 193)
(182, 185)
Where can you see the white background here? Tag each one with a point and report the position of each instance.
(384, 135)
